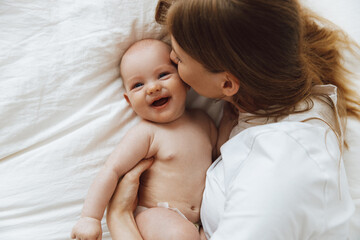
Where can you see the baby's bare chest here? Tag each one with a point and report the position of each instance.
(184, 144)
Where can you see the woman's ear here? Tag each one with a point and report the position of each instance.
(230, 85)
(127, 99)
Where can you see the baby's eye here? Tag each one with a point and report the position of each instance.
(163, 74)
(178, 60)
(136, 85)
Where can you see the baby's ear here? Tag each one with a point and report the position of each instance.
(127, 99)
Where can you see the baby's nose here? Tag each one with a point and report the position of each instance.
(154, 88)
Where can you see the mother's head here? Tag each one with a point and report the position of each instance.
(245, 51)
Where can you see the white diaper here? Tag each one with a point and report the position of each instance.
(140, 209)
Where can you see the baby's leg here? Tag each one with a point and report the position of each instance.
(164, 224)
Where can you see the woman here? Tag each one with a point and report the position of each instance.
(280, 175)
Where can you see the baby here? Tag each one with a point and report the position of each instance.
(181, 142)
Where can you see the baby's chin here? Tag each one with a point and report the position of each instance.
(164, 117)
(163, 120)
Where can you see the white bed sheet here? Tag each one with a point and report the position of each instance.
(62, 110)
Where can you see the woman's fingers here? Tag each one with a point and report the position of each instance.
(125, 197)
(124, 200)
(202, 234)
(134, 174)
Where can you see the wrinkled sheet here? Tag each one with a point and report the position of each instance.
(62, 109)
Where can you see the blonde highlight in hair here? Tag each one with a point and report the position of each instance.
(276, 49)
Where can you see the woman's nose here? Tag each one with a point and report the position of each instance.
(153, 88)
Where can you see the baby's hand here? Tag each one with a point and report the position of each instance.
(87, 228)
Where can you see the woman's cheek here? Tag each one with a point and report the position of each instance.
(182, 74)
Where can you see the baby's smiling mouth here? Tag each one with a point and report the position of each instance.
(160, 102)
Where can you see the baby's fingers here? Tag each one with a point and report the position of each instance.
(73, 234)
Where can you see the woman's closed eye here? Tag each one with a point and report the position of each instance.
(174, 57)
(176, 60)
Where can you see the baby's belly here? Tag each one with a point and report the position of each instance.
(184, 195)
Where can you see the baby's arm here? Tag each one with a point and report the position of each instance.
(133, 148)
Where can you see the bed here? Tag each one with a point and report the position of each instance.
(62, 111)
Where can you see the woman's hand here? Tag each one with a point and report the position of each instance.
(202, 234)
(119, 217)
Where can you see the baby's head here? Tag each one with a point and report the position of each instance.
(153, 87)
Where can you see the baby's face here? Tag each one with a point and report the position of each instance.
(153, 87)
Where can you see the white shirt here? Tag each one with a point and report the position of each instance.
(282, 180)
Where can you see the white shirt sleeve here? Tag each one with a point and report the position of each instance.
(278, 190)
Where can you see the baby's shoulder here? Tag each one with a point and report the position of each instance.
(143, 127)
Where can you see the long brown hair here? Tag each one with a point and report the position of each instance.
(276, 49)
